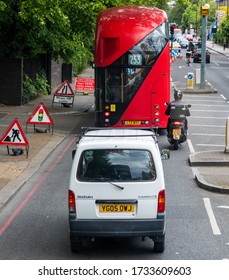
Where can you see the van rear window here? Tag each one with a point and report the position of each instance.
(116, 165)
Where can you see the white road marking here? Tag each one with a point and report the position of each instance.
(191, 148)
(223, 97)
(217, 64)
(210, 145)
(222, 206)
(199, 117)
(211, 216)
(215, 111)
(201, 96)
(204, 100)
(207, 125)
(213, 105)
(207, 134)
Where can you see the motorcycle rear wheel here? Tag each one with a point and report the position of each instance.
(176, 145)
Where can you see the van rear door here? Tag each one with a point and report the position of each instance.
(117, 183)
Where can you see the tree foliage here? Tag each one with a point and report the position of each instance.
(190, 11)
(62, 28)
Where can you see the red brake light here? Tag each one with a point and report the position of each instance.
(107, 114)
(71, 202)
(161, 202)
(177, 123)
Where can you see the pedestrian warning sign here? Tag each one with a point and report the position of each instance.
(40, 116)
(14, 135)
(64, 94)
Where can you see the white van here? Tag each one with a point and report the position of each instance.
(117, 187)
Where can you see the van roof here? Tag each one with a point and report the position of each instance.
(118, 135)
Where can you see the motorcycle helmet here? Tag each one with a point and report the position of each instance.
(178, 94)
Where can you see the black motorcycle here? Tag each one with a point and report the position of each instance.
(177, 126)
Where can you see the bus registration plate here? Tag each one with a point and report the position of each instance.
(177, 132)
(112, 208)
(132, 122)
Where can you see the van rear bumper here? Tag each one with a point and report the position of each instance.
(118, 228)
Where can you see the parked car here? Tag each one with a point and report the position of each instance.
(117, 187)
(184, 43)
(197, 56)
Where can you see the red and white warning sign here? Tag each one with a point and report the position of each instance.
(64, 94)
(65, 89)
(40, 116)
(84, 84)
(14, 135)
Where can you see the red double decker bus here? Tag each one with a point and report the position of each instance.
(132, 67)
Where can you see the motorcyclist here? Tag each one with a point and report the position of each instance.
(175, 108)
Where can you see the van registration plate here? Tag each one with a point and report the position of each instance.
(176, 132)
(112, 208)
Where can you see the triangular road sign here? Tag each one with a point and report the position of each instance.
(14, 136)
(64, 90)
(40, 116)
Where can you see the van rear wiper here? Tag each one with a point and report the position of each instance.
(107, 180)
(120, 187)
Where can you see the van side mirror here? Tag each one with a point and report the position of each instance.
(73, 154)
(165, 154)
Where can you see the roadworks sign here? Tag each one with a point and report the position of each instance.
(64, 90)
(64, 94)
(40, 116)
(84, 84)
(14, 135)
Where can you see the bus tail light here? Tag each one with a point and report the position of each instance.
(107, 114)
(71, 202)
(161, 202)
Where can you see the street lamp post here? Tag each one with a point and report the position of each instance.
(204, 14)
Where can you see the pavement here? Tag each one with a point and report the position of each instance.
(16, 170)
(211, 167)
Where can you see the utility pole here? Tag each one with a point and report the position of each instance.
(204, 14)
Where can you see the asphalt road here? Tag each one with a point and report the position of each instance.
(39, 229)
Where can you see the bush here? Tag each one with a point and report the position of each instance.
(29, 90)
(41, 84)
(33, 90)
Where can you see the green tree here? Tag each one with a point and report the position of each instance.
(62, 28)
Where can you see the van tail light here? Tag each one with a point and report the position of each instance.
(161, 202)
(71, 202)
